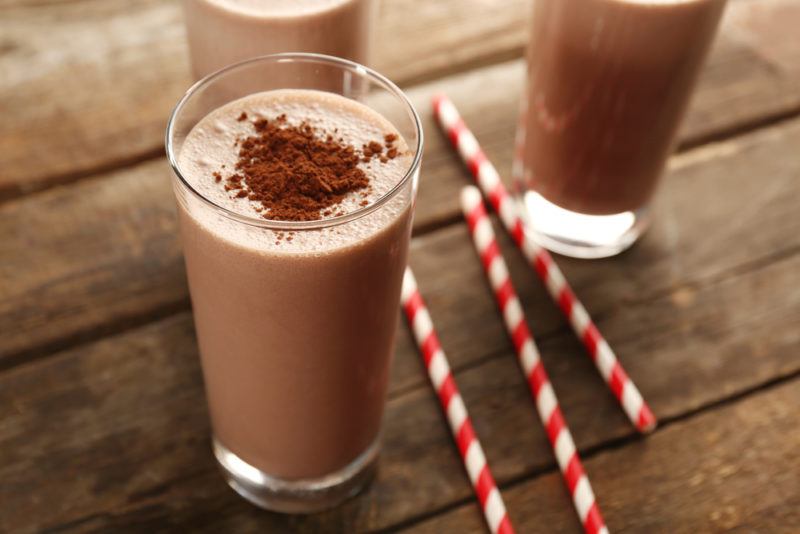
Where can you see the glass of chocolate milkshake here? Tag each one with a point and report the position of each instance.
(223, 32)
(295, 208)
(608, 83)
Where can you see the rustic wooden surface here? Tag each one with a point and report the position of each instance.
(103, 425)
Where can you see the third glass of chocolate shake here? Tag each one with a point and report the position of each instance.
(295, 207)
(223, 32)
(608, 83)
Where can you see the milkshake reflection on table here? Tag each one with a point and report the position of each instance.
(608, 83)
(295, 288)
(223, 32)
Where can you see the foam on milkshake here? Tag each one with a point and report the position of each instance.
(211, 147)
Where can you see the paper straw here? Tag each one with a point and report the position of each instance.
(494, 510)
(489, 182)
(544, 397)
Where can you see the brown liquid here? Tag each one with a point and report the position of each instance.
(223, 32)
(608, 83)
(296, 336)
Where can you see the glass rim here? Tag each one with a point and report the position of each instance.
(296, 57)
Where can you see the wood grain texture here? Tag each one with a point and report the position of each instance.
(112, 435)
(717, 316)
(125, 445)
(82, 79)
(72, 72)
(80, 260)
(733, 469)
(103, 254)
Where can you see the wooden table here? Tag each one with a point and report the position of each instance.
(103, 424)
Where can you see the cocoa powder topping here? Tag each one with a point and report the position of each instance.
(296, 173)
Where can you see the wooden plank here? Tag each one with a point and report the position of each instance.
(89, 259)
(85, 78)
(86, 85)
(126, 431)
(733, 469)
(77, 77)
(102, 255)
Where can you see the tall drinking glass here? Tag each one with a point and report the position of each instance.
(296, 320)
(223, 32)
(608, 83)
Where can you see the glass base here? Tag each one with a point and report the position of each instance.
(578, 235)
(296, 496)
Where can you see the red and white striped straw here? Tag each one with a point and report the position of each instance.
(494, 510)
(489, 182)
(544, 397)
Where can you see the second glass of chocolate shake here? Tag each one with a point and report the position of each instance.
(295, 207)
(608, 83)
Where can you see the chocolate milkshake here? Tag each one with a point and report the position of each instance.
(295, 209)
(608, 83)
(223, 32)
